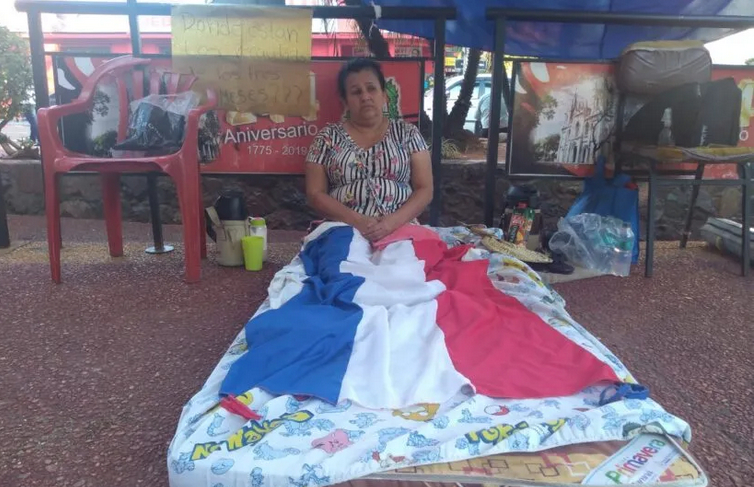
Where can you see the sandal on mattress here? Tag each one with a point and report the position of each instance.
(557, 266)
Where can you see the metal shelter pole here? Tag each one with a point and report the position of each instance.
(41, 99)
(422, 75)
(493, 139)
(507, 87)
(746, 191)
(438, 119)
(4, 233)
(39, 72)
(154, 197)
(133, 25)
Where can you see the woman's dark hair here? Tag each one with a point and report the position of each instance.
(355, 66)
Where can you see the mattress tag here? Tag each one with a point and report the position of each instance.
(641, 461)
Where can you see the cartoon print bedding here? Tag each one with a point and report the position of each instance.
(353, 370)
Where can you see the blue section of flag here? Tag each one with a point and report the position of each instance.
(304, 346)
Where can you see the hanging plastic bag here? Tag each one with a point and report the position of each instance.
(157, 123)
(617, 197)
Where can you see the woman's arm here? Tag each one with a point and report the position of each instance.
(422, 190)
(421, 196)
(324, 204)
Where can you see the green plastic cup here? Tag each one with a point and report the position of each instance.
(253, 252)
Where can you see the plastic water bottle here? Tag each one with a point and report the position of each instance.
(666, 134)
(623, 251)
(258, 227)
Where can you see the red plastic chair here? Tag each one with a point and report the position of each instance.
(182, 166)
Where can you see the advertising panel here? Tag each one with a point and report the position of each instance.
(234, 142)
(562, 112)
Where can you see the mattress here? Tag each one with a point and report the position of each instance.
(580, 464)
(276, 440)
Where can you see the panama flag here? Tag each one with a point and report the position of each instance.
(403, 322)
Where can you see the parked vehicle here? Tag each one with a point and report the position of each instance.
(482, 115)
(482, 86)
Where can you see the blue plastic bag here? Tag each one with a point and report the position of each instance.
(610, 197)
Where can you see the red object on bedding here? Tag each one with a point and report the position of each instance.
(231, 404)
(406, 232)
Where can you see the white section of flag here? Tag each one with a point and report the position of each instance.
(398, 335)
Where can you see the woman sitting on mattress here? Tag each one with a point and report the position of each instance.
(370, 172)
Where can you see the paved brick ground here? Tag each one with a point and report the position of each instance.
(96, 370)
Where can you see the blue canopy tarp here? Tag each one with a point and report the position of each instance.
(565, 41)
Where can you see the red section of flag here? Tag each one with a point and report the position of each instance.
(505, 350)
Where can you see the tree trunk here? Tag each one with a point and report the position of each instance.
(380, 48)
(376, 43)
(457, 117)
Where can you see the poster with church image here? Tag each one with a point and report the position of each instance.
(562, 114)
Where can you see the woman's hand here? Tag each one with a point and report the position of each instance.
(380, 228)
(364, 223)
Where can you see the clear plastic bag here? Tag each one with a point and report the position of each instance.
(157, 123)
(594, 242)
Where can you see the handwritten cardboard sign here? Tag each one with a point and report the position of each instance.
(257, 59)
(246, 85)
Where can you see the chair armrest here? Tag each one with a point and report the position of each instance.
(191, 137)
(47, 123)
(56, 112)
(48, 119)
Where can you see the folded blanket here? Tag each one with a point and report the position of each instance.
(410, 323)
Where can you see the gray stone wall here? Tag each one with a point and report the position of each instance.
(281, 199)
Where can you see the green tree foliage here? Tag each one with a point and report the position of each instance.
(393, 101)
(15, 75)
(547, 110)
(546, 150)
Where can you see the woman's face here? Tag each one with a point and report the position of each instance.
(364, 96)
